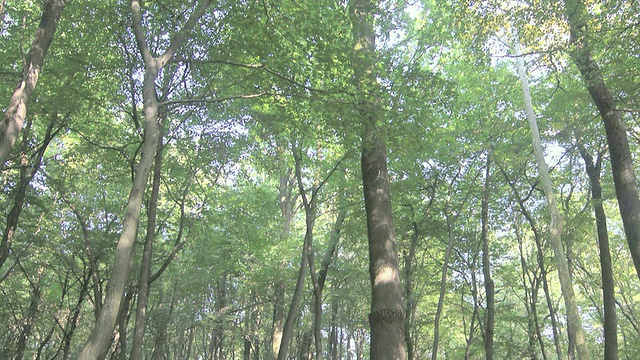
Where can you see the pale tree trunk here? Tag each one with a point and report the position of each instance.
(145, 268)
(17, 109)
(286, 201)
(98, 342)
(486, 267)
(608, 287)
(386, 318)
(574, 321)
(624, 178)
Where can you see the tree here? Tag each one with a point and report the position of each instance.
(17, 110)
(97, 344)
(621, 162)
(387, 307)
(573, 317)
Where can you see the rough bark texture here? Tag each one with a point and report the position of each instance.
(486, 268)
(387, 306)
(608, 285)
(17, 108)
(574, 322)
(98, 342)
(621, 162)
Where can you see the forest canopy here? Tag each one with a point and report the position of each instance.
(337, 179)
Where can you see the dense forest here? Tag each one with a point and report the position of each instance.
(337, 179)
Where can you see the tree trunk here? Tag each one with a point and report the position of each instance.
(287, 332)
(97, 344)
(386, 318)
(621, 162)
(573, 317)
(286, 202)
(145, 268)
(608, 285)
(17, 108)
(486, 267)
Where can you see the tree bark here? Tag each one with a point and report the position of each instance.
(145, 268)
(286, 201)
(608, 285)
(621, 162)
(486, 267)
(17, 109)
(386, 318)
(98, 342)
(573, 317)
(287, 332)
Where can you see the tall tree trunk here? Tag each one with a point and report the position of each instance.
(624, 178)
(573, 317)
(286, 201)
(98, 343)
(408, 290)
(145, 268)
(287, 332)
(386, 318)
(608, 285)
(486, 267)
(17, 109)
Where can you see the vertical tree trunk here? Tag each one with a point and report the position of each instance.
(145, 268)
(286, 202)
(486, 267)
(408, 290)
(573, 317)
(17, 109)
(123, 323)
(608, 288)
(287, 332)
(98, 342)
(621, 162)
(386, 318)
